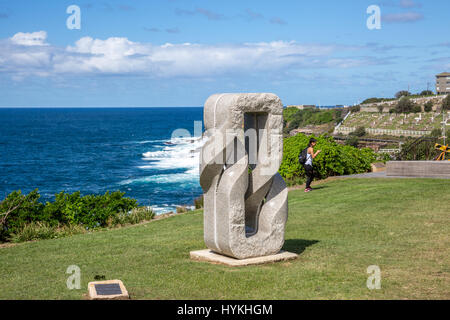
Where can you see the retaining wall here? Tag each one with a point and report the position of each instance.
(421, 169)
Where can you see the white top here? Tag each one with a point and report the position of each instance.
(309, 159)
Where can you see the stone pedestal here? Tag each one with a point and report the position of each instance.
(215, 258)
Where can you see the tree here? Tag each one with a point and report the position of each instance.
(446, 103)
(428, 106)
(403, 93)
(352, 141)
(355, 109)
(404, 105)
(427, 93)
(359, 132)
(416, 108)
(380, 108)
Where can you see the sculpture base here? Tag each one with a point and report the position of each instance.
(215, 258)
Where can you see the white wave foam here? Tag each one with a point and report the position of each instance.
(181, 153)
(164, 178)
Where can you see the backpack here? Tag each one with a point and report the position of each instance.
(302, 157)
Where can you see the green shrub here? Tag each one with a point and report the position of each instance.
(198, 202)
(91, 211)
(428, 106)
(306, 117)
(335, 159)
(182, 209)
(18, 209)
(355, 109)
(404, 105)
(416, 109)
(352, 141)
(288, 113)
(359, 132)
(446, 103)
(384, 157)
(44, 230)
(403, 93)
(426, 93)
(135, 216)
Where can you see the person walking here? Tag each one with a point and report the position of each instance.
(310, 155)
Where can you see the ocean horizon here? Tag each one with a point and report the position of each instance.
(94, 150)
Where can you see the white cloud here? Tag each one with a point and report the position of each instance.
(30, 39)
(409, 4)
(29, 54)
(402, 17)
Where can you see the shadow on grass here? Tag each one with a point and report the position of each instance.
(319, 187)
(298, 245)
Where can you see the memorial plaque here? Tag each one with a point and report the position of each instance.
(108, 289)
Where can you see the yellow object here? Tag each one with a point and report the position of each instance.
(444, 149)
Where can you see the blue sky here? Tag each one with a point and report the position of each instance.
(178, 52)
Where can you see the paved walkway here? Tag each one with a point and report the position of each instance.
(361, 176)
(384, 175)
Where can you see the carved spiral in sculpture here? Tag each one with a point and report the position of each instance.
(245, 199)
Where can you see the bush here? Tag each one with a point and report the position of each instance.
(372, 100)
(384, 157)
(427, 93)
(334, 160)
(182, 209)
(135, 216)
(355, 109)
(416, 109)
(92, 211)
(43, 230)
(436, 133)
(198, 203)
(310, 117)
(446, 103)
(17, 209)
(352, 141)
(359, 132)
(404, 105)
(288, 113)
(403, 93)
(428, 106)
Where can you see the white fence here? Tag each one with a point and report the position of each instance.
(389, 150)
(389, 132)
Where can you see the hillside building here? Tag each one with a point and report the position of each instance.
(443, 83)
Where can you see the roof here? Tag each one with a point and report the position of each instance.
(443, 74)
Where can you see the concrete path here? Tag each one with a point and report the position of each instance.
(384, 175)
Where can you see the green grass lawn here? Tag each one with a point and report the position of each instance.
(340, 229)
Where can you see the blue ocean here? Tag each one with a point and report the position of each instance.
(94, 150)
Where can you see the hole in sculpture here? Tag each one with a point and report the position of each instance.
(254, 129)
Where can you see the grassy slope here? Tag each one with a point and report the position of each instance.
(382, 121)
(339, 230)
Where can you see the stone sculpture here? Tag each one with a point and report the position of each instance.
(245, 198)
